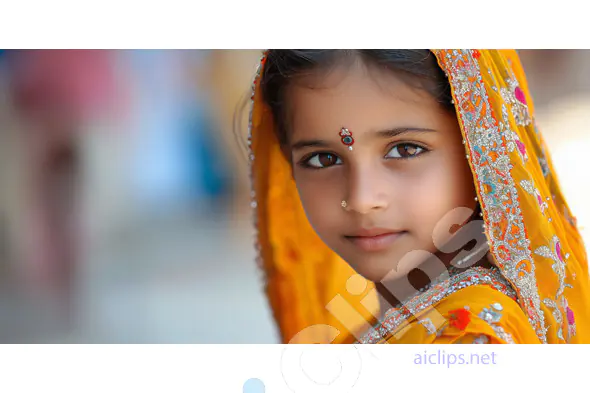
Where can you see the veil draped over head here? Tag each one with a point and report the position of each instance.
(316, 297)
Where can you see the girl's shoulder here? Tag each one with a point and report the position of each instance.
(477, 314)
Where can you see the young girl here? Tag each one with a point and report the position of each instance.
(406, 196)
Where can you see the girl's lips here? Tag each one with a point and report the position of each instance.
(377, 242)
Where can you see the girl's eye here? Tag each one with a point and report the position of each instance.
(405, 150)
(322, 160)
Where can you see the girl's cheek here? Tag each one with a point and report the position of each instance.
(429, 196)
(317, 199)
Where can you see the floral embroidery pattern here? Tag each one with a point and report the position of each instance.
(552, 304)
(514, 95)
(513, 141)
(559, 304)
(396, 317)
(492, 316)
(529, 187)
(488, 140)
(571, 320)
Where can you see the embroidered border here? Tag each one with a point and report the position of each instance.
(395, 317)
(251, 158)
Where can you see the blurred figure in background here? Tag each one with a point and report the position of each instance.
(54, 94)
(178, 165)
(110, 219)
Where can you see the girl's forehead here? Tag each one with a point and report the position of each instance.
(358, 98)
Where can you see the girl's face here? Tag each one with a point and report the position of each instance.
(406, 171)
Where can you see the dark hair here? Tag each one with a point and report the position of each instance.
(418, 68)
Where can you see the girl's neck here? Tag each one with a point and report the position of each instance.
(419, 280)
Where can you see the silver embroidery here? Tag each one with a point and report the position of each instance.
(558, 305)
(556, 314)
(396, 318)
(428, 325)
(520, 111)
(494, 87)
(513, 142)
(252, 157)
(529, 187)
(481, 339)
(492, 316)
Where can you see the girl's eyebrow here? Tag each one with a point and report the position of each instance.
(309, 143)
(388, 133)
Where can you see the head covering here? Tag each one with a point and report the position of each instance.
(532, 234)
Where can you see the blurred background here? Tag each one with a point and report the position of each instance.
(124, 195)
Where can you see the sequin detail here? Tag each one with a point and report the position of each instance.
(481, 339)
(428, 325)
(253, 202)
(492, 316)
(395, 317)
